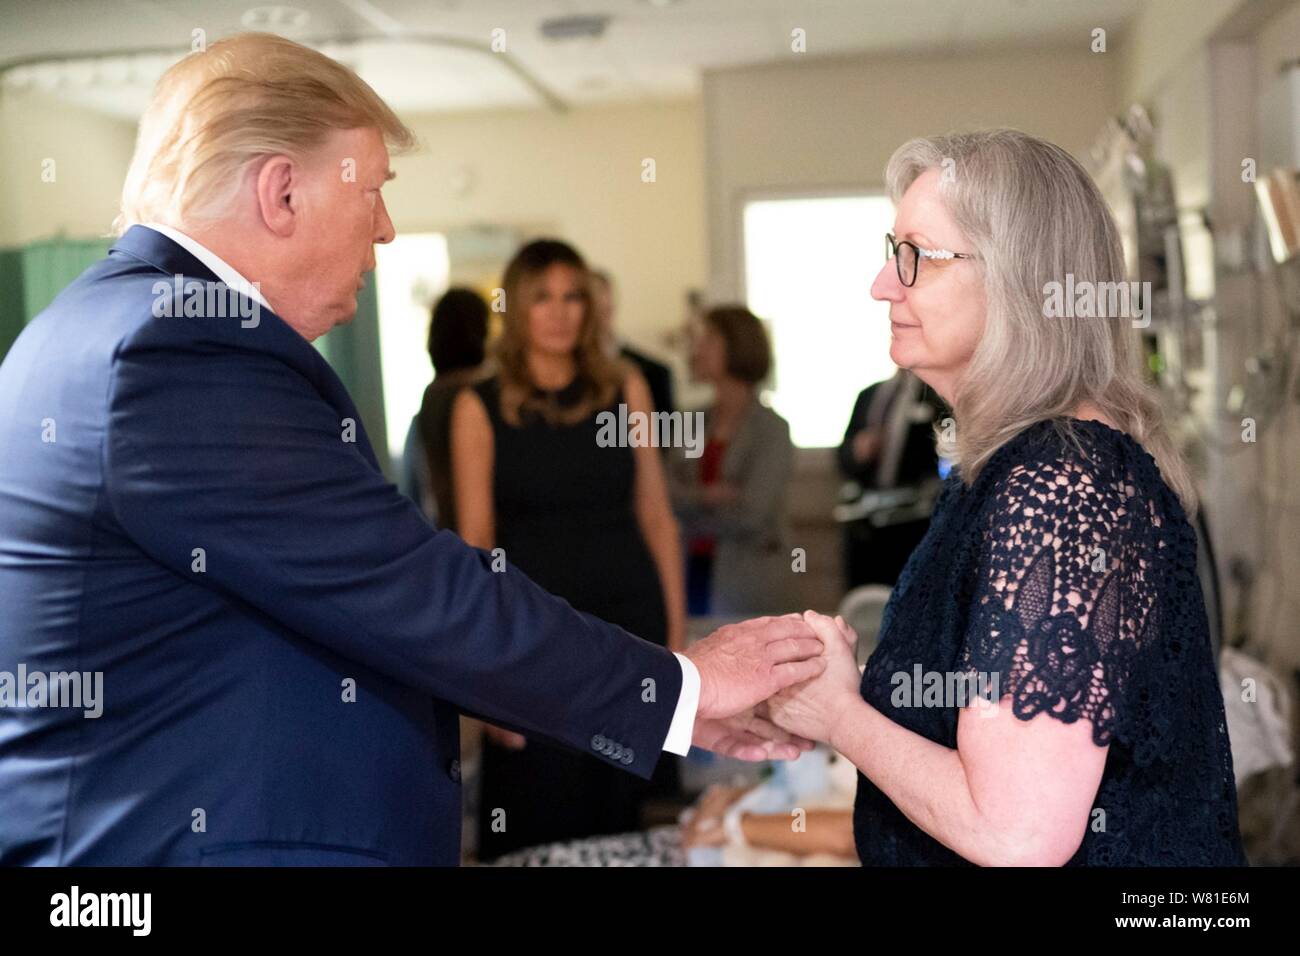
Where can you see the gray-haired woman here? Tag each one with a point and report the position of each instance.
(1043, 692)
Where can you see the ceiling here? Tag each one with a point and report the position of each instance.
(433, 55)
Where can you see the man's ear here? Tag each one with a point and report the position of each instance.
(276, 182)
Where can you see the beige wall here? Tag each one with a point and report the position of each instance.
(1162, 35)
(580, 174)
(800, 125)
(1277, 43)
(1265, 476)
(90, 151)
(1203, 81)
(577, 173)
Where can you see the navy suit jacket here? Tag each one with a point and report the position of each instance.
(129, 442)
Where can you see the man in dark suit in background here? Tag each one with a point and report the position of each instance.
(657, 375)
(195, 533)
(888, 445)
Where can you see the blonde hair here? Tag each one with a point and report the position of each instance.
(1032, 214)
(217, 112)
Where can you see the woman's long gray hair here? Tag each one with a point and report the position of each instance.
(1033, 216)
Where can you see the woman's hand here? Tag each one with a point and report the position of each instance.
(814, 708)
(718, 494)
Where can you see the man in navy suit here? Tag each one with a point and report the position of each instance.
(194, 532)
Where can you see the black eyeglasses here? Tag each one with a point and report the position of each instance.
(907, 257)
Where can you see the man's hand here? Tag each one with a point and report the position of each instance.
(813, 708)
(866, 444)
(750, 735)
(742, 665)
(505, 738)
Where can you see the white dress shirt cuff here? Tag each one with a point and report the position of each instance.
(682, 729)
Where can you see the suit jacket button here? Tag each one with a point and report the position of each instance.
(598, 742)
(627, 756)
(454, 770)
(617, 753)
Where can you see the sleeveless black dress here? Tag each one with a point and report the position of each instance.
(565, 516)
(1106, 623)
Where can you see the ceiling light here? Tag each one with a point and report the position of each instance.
(275, 18)
(575, 28)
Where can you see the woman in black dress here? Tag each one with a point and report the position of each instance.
(1043, 691)
(457, 348)
(587, 520)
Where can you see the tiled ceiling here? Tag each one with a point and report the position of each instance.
(434, 55)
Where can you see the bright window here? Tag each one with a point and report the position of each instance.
(410, 273)
(809, 265)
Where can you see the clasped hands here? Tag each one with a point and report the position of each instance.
(773, 686)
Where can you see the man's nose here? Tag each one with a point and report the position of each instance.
(384, 230)
(887, 288)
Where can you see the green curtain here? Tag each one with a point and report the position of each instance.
(12, 308)
(31, 276)
(353, 351)
(49, 265)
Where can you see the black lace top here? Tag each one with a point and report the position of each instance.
(1065, 580)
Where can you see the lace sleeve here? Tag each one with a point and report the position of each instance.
(1061, 599)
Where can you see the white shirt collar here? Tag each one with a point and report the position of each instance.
(219, 266)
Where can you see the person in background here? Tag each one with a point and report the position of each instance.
(889, 444)
(457, 344)
(731, 500)
(657, 375)
(899, 405)
(591, 524)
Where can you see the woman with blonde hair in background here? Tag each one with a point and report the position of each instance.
(1043, 691)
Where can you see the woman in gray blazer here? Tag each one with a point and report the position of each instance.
(731, 500)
